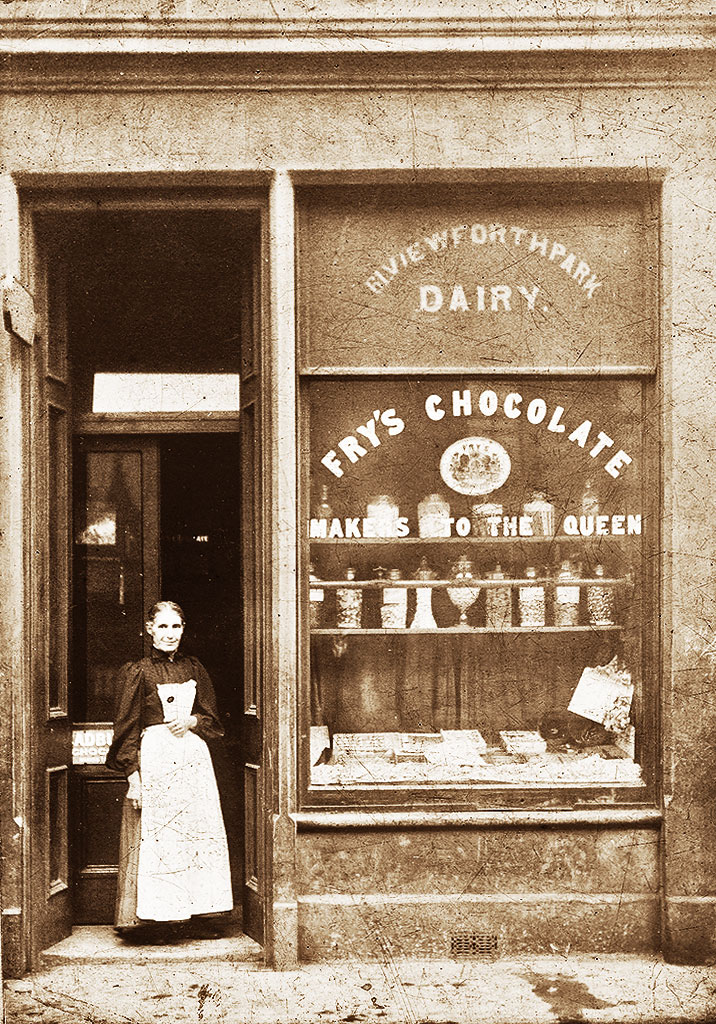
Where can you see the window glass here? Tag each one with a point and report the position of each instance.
(465, 276)
(165, 392)
(478, 581)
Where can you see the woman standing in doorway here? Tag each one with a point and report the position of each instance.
(173, 856)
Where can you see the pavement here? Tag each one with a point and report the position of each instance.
(93, 978)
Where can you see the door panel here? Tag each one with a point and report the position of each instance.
(51, 911)
(116, 579)
(252, 729)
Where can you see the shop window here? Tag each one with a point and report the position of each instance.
(478, 586)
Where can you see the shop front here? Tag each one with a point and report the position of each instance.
(422, 451)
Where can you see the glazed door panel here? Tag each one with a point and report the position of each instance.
(116, 578)
(48, 412)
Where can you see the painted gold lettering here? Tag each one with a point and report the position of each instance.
(331, 462)
(462, 403)
(604, 441)
(351, 448)
(513, 400)
(431, 408)
(581, 433)
(616, 463)
(500, 293)
(536, 410)
(431, 298)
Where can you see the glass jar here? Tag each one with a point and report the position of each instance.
(316, 598)
(566, 597)
(394, 610)
(434, 516)
(480, 515)
(498, 603)
(590, 501)
(542, 513)
(349, 603)
(424, 618)
(600, 601)
(531, 601)
(381, 517)
(463, 597)
(323, 509)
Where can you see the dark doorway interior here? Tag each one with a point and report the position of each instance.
(179, 495)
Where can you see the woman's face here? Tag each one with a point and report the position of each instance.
(166, 630)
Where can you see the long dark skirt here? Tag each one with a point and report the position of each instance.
(125, 914)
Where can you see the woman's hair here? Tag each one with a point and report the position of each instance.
(161, 606)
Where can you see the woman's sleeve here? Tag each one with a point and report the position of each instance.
(208, 725)
(123, 754)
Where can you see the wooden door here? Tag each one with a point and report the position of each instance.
(252, 594)
(116, 579)
(49, 573)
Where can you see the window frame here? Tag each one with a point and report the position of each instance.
(434, 799)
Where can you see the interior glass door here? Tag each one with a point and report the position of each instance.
(116, 578)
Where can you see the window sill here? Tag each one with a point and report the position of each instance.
(307, 821)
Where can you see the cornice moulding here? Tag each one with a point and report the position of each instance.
(300, 72)
(356, 35)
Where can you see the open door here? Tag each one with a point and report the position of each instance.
(116, 579)
(50, 728)
(250, 434)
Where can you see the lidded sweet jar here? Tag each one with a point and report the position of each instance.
(434, 516)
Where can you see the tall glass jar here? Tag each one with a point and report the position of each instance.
(541, 512)
(590, 500)
(531, 601)
(600, 601)
(463, 597)
(566, 597)
(498, 603)
(434, 516)
(394, 610)
(381, 517)
(316, 598)
(349, 603)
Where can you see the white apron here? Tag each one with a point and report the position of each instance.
(183, 857)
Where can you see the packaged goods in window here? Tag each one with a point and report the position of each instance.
(532, 601)
(523, 742)
(604, 694)
(566, 597)
(316, 598)
(423, 617)
(484, 515)
(394, 609)
(498, 603)
(349, 604)
(463, 597)
(434, 516)
(600, 601)
(541, 512)
(464, 746)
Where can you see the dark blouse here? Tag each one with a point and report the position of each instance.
(138, 704)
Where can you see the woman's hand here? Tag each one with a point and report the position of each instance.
(181, 726)
(134, 793)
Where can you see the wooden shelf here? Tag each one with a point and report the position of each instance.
(463, 630)
(476, 581)
(560, 538)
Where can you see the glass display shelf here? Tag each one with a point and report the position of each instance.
(559, 538)
(478, 581)
(461, 630)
